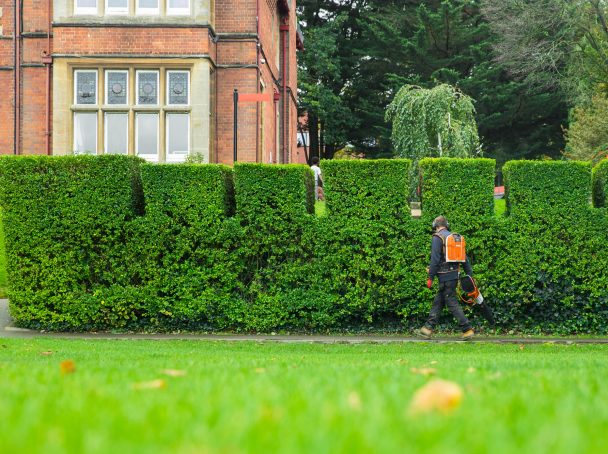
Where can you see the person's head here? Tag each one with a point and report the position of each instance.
(315, 161)
(440, 222)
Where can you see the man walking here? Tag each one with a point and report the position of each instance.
(447, 274)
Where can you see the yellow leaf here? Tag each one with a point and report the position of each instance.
(46, 353)
(426, 371)
(173, 372)
(437, 396)
(154, 384)
(354, 401)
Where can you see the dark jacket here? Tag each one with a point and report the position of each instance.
(439, 267)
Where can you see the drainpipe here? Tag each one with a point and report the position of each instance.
(284, 140)
(17, 88)
(48, 60)
(257, 88)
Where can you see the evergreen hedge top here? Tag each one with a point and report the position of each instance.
(189, 191)
(460, 189)
(535, 187)
(600, 174)
(277, 190)
(368, 189)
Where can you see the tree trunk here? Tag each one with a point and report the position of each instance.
(313, 130)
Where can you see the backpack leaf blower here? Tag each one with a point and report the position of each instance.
(469, 293)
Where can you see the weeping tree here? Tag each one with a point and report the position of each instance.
(436, 122)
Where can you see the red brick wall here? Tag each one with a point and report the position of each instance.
(33, 79)
(235, 16)
(6, 112)
(232, 17)
(33, 96)
(6, 78)
(117, 40)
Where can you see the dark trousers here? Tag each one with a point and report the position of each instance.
(447, 295)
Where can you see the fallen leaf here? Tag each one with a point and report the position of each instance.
(67, 367)
(260, 370)
(433, 362)
(438, 395)
(354, 401)
(173, 372)
(401, 361)
(521, 346)
(470, 370)
(154, 384)
(46, 353)
(426, 371)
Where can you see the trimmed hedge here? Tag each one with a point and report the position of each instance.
(532, 187)
(208, 253)
(460, 189)
(64, 218)
(372, 189)
(599, 177)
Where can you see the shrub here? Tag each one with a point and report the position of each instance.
(462, 190)
(64, 223)
(534, 187)
(367, 189)
(85, 253)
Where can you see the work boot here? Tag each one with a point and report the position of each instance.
(425, 332)
(468, 335)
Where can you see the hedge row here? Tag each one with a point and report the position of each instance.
(599, 177)
(110, 242)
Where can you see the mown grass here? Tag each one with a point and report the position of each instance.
(298, 398)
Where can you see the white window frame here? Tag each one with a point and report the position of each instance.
(178, 11)
(88, 10)
(147, 11)
(74, 131)
(168, 94)
(105, 132)
(116, 11)
(168, 155)
(106, 72)
(75, 93)
(137, 73)
(145, 156)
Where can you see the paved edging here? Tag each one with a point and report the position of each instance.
(8, 330)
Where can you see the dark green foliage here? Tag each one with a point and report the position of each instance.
(83, 254)
(534, 187)
(63, 219)
(599, 176)
(364, 51)
(460, 189)
(369, 189)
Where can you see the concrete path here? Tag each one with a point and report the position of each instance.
(8, 330)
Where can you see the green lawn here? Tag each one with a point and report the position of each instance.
(298, 398)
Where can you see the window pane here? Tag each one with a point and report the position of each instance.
(147, 136)
(86, 4)
(86, 87)
(118, 4)
(178, 136)
(179, 4)
(178, 87)
(117, 133)
(153, 4)
(147, 87)
(116, 87)
(85, 132)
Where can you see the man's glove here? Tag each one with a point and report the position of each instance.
(429, 282)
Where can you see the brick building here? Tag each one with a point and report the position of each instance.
(153, 78)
